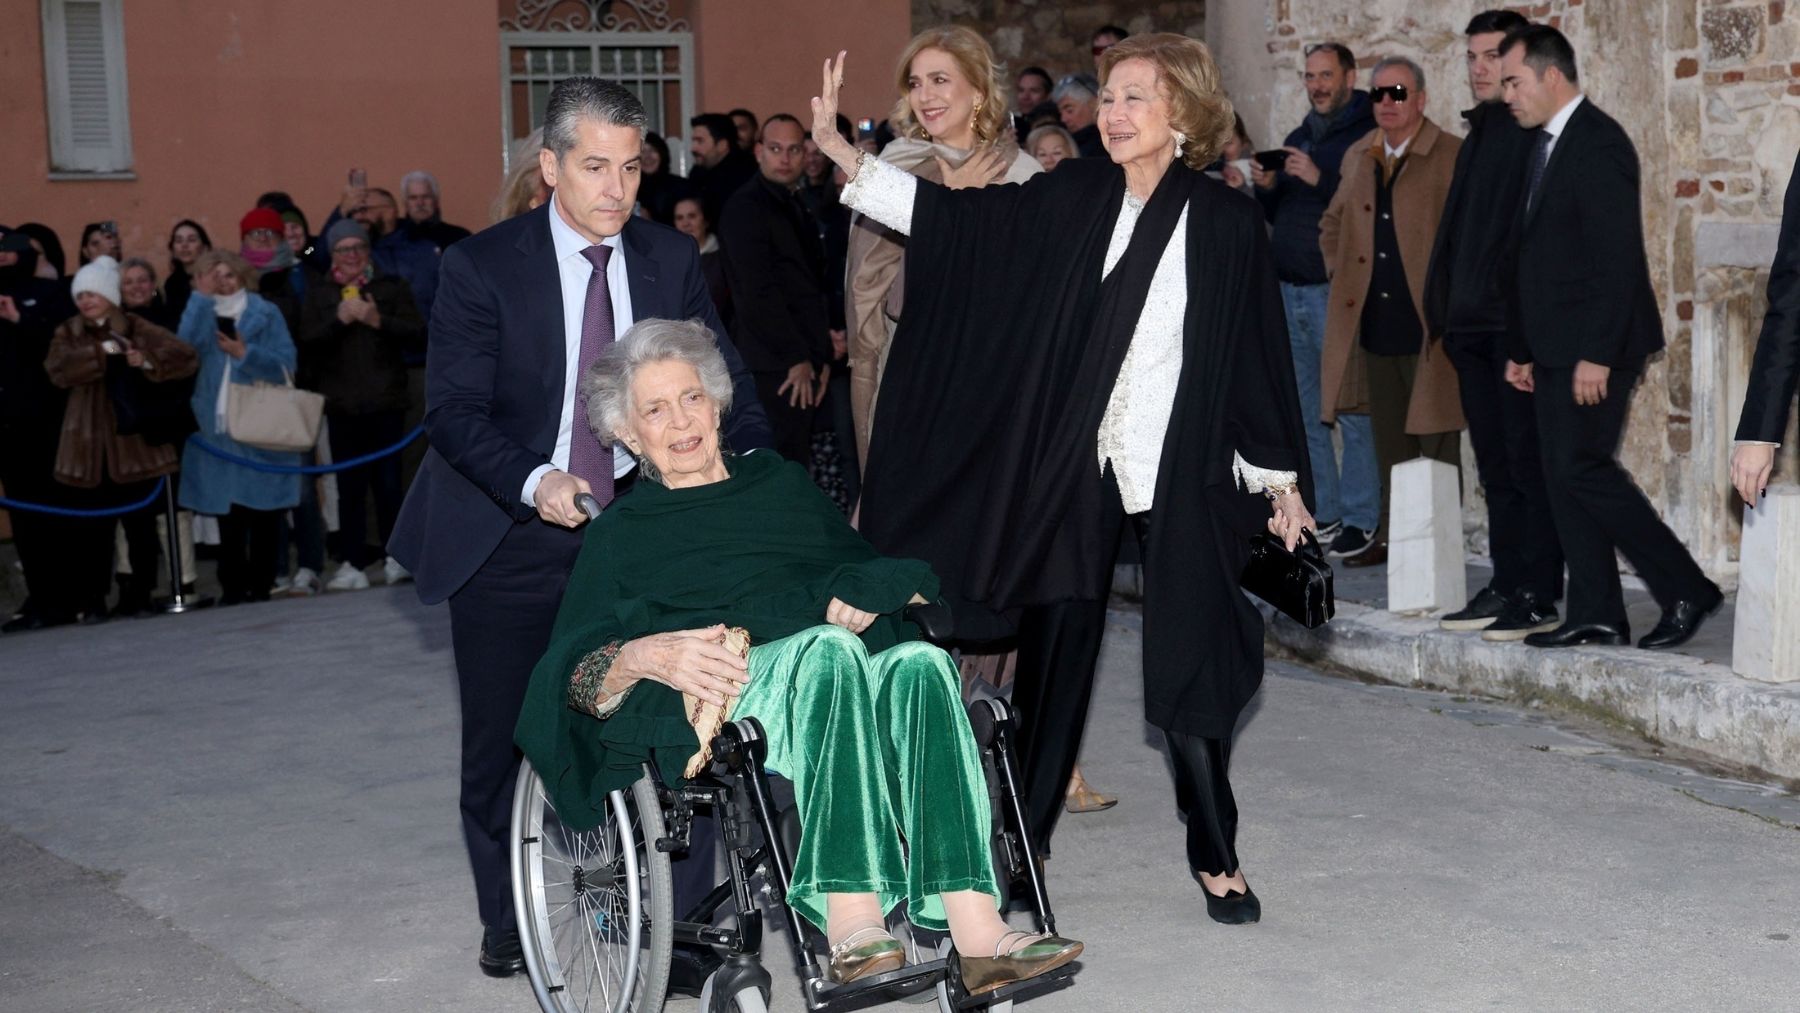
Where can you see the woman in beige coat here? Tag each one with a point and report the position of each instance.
(951, 104)
(1348, 238)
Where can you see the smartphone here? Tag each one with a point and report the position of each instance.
(109, 227)
(1272, 161)
(359, 178)
(227, 326)
(865, 127)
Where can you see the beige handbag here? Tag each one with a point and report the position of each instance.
(272, 416)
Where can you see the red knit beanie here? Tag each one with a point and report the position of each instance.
(260, 218)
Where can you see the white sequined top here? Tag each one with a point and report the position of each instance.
(1137, 412)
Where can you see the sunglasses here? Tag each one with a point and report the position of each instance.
(1397, 92)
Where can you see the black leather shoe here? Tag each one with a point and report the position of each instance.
(1577, 634)
(501, 955)
(1234, 908)
(1680, 622)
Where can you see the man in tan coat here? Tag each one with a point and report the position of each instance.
(1376, 236)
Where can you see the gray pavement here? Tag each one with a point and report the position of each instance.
(254, 809)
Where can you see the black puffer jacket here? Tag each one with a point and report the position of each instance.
(1293, 207)
(358, 368)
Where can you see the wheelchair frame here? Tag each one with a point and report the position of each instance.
(759, 841)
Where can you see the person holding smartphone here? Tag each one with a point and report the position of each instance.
(1295, 184)
(240, 338)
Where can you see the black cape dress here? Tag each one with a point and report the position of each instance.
(983, 459)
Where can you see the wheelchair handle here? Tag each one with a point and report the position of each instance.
(587, 504)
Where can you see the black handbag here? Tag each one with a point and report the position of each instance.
(1297, 583)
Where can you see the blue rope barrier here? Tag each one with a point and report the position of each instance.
(306, 469)
(39, 508)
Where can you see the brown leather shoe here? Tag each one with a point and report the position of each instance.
(1374, 555)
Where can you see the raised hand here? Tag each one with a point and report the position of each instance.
(825, 112)
(983, 167)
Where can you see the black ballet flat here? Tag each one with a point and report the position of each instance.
(1234, 908)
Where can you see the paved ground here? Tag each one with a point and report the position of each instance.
(254, 809)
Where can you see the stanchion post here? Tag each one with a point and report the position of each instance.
(177, 601)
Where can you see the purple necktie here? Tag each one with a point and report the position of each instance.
(587, 458)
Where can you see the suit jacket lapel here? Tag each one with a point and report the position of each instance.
(541, 334)
(648, 299)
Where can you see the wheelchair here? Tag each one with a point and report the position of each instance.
(595, 907)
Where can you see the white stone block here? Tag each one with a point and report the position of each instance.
(1425, 557)
(1765, 644)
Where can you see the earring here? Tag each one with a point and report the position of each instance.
(1180, 139)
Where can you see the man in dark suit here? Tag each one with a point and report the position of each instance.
(720, 164)
(1583, 317)
(1775, 372)
(775, 267)
(490, 522)
(1466, 303)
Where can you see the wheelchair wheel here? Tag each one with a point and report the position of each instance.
(593, 906)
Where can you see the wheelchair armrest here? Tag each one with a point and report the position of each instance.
(933, 620)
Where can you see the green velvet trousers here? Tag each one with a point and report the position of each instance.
(886, 774)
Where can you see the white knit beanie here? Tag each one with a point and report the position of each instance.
(99, 276)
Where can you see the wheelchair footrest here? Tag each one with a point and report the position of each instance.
(1042, 983)
(875, 990)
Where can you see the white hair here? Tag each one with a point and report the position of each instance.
(416, 176)
(606, 386)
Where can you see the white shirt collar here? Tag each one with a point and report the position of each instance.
(1393, 152)
(1560, 121)
(567, 241)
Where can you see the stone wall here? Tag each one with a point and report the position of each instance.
(1708, 91)
(1054, 34)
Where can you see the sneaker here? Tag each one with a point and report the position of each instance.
(1351, 541)
(282, 586)
(1326, 532)
(305, 583)
(1525, 616)
(348, 578)
(1487, 606)
(393, 571)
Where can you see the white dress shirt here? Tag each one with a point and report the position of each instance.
(1559, 123)
(574, 271)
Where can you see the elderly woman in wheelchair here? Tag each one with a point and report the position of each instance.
(864, 719)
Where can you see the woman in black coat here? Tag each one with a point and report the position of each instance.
(1130, 309)
(187, 241)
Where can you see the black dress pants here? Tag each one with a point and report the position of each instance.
(1059, 647)
(1599, 509)
(27, 469)
(500, 623)
(353, 436)
(1503, 431)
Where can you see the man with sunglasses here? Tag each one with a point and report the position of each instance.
(1379, 357)
(1348, 496)
(1465, 302)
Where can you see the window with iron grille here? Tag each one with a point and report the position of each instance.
(84, 87)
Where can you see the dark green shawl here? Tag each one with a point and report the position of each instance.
(764, 549)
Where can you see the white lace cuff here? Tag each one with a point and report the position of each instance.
(1256, 479)
(883, 192)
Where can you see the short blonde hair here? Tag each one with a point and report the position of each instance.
(1198, 106)
(975, 58)
(246, 274)
(1051, 130)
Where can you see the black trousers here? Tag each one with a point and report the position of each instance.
(354, 436)
(247, 554)
(1599, 509)
(90, 555)
(792, 426)
(1503, 431)
(27, 467)
(1059, 647)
